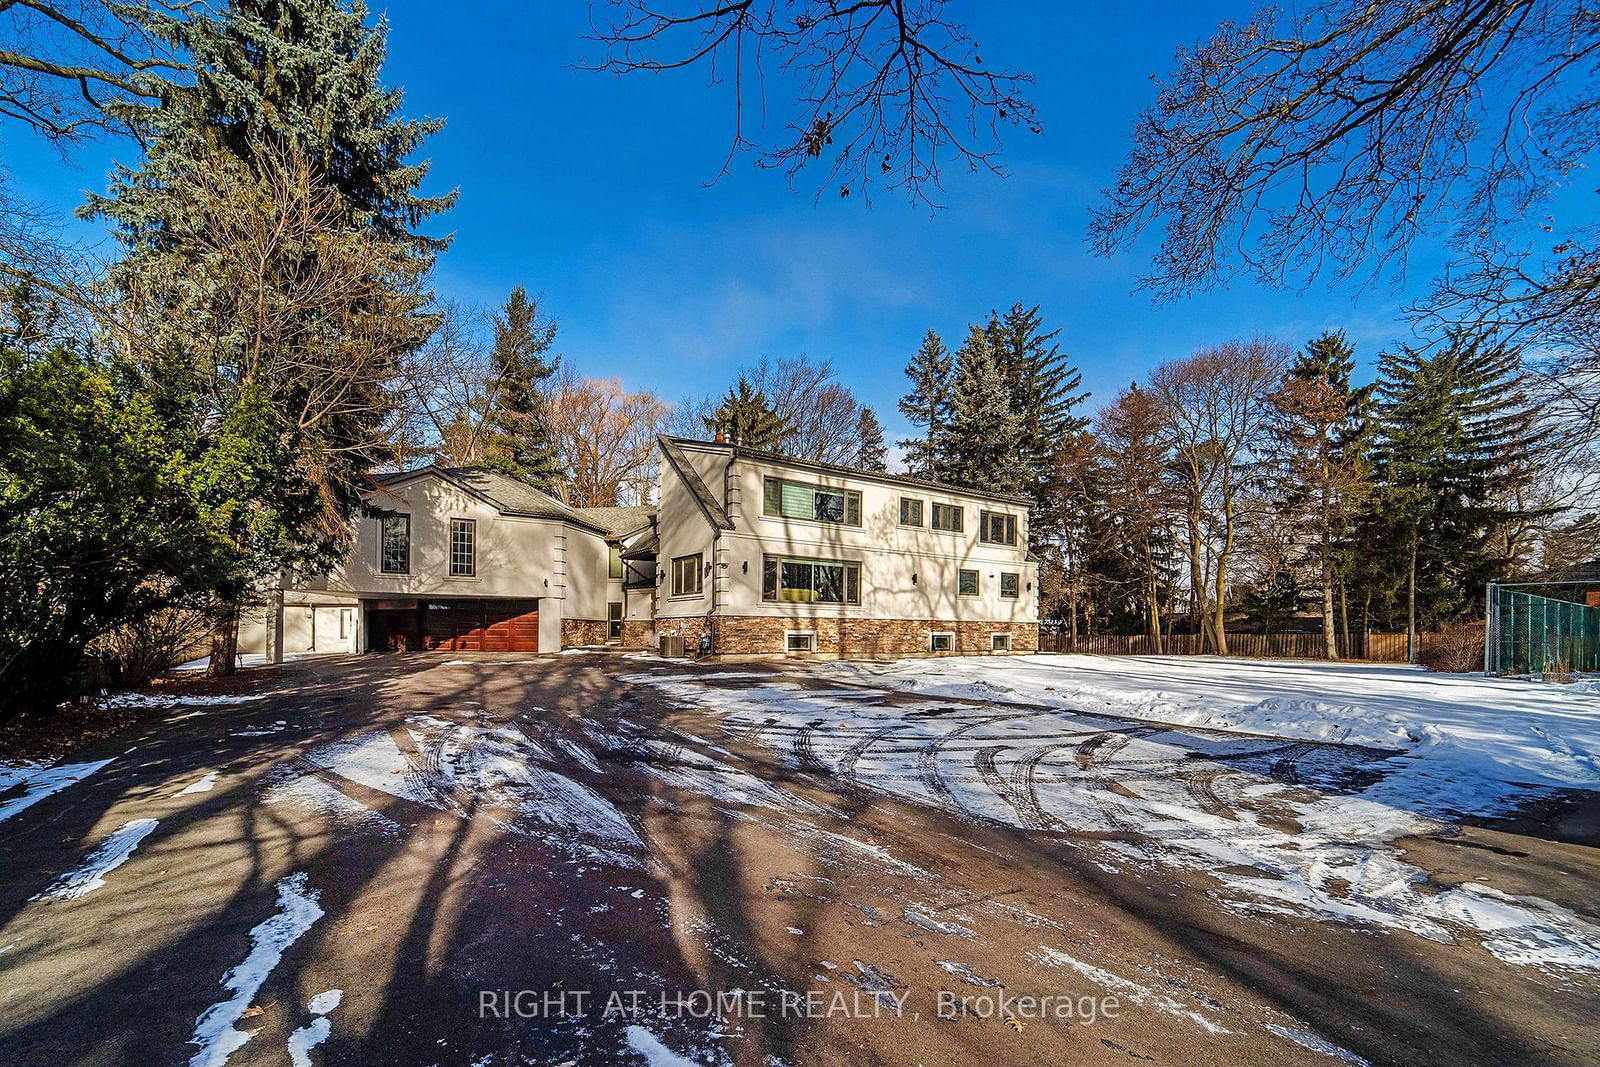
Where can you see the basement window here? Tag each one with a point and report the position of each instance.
(941, 642)
(999, 642)
(799, 641)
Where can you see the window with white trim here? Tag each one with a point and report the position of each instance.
(999, 642)
(799, 641)
(997, 527)
(910, 511)
(463, 548)
(394, 544)
(967, 583)
(941, 642)
(787, 579)
(686, 575)
(797, 500)
(1010, 584)
(947, 517)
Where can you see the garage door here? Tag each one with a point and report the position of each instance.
(481, 625)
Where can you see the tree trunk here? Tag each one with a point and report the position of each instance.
(1411, 602)
(1344, 615)
(1153, 596)
(225, 642)
(1330, 640)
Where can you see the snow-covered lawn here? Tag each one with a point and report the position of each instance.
(1478, 739)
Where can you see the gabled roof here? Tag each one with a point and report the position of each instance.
(740, 452)
(502, 492)
(709, 505)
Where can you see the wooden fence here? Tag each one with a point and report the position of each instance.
(1382, 648)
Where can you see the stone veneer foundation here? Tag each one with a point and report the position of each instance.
(582, 632)
(760, 635)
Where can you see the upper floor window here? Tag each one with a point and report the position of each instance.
(1010, 585)
(910, 511)
(810, 581)
(615, 562)
(997, 527)
(967, 583)
(463, 548)
(947, 517)
(686, 575)
(394, 545)
(797, 500)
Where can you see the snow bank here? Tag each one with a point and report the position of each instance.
(90, 875)
(32, 782)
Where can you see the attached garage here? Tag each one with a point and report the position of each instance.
(454, 625)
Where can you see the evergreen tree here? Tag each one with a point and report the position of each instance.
(745, 418)
(871, 455)
(517, 438)
(927, 405)
(285, 145)
(980, 443)
(1045, 390)
(1320, 428)
(1451, 422)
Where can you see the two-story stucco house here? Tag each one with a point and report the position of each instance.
(744, 553)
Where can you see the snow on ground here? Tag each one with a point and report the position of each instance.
(308, 1037)
(32, 782)
(1482, 737)
(202, 784)
(90, 875)
(175, 700)
(214, 1030)
(1283, 826)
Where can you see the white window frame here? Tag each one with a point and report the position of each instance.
(471, 526)
(999, 642)
(977, 578)
(790, 635)
(699, 559)
(950, 639)
(1016, 585)
(383, 538)
(922, 508)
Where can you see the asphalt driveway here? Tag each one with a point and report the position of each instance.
(501, 860)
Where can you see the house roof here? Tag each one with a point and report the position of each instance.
(617, 522)
(504, 493)
(709, 504)
(740, 452)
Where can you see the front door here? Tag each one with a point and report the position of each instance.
(613, 622)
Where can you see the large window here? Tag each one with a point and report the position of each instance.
(616, 561)
(463, 548)
(1010, 584)
(947, 517)
(394, 545)
(967, 583)
(796, 500)
(810, 581)
(910, 511)
(997, 527)
(686, 575)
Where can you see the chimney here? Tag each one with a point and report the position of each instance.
(721, 438)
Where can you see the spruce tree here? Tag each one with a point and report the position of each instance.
(870, 452)
(927, 405)
(518, 440)
(1046, 389)
(746, 418)
(980, 444)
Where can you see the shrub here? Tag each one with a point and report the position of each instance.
(1456, 648)
(137, 651)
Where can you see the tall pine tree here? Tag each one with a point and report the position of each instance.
(517, 438)
(747, 419)
(1046, 389)
(870, 452)
(980, 448)
(927, 405)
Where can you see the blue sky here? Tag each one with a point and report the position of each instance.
(592, 191)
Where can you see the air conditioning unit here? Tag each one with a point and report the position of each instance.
(672, 646)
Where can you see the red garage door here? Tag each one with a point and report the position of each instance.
(481, 625)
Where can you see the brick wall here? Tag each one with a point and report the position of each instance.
(761, 635)
(582, 632)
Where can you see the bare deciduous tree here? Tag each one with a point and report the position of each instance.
(606, 436)
(887, 92)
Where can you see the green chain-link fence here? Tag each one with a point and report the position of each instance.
(1533, 634)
